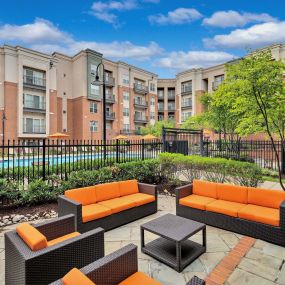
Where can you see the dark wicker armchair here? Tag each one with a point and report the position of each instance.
(24, 266)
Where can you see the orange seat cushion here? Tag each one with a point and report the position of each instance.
(260, 214)
(225, 207)
(33, 238)
(76, 277)
(93, 212)
(107, 191)
(139, 278)
(62, 238)
(265, 198)
(84, 196)
(196, 201)
(140, 198)
(232, 193)
(205, 188)
(128, 187)
(118, 204)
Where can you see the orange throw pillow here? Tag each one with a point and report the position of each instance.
(76, 277)
(33, 238)
(128, 187)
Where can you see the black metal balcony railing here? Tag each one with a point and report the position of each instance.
(186, 90)
(140, 88)
(140, 103)
(34, 106)
(34, 81)
(110, 98)
(141, 119)
(110, 116)
(109, 80)
(31, 129)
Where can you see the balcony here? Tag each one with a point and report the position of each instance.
(110, 81)
(110, 98)
(110, 116)
(34, 82)
(32, 129)
(33, 106)
(186, 90)
(141, 119)
(140, 88)
(140, 104)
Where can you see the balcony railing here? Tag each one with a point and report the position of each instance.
(186, 90)
(31, 129)
(141, 119)
(110, 81)
(34, 106)
(110, 116)
(34, 81)
(140, 88)
(140, 103)
(110, 98)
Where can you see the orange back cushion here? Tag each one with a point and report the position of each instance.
(128, 187)
(34, 239)
(84, 196)
(265, 198)
(232, 193)
(107, 191)
(205, 188)
(76, 277)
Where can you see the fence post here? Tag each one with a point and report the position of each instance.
(117, 151)
(201, 143)
(143, 149)
(44, 159)
(163, 139)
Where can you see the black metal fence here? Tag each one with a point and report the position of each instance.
(26, 160)
(258, 152)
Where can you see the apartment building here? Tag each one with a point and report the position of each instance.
(42, 94)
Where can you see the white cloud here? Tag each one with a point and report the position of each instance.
(256, 36)
(181, 60)
(178, 16)
(225, 19)
(151, 1)
(39, 31)
(44, 36)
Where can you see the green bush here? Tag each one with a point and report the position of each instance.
(9, 192)
(212, 169)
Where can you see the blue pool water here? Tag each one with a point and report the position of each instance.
(53, 160)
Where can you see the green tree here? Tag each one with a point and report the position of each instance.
(156, 129)
(258, 97)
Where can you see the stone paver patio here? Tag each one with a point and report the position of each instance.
(263, 264)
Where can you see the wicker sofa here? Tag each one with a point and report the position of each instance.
(65, 249)
(109, 205)
(250, 211)
(119, 267)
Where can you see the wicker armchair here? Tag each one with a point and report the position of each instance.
(24, 266)
(113, 268)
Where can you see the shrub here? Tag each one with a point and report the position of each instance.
(9, 192)
(212, 169)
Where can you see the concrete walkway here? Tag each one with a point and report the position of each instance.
(263, 264)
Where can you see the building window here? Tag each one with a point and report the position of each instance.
(160, 93)
(126, 112)
(93, 68)
(126, 127)
(187, 102)
(95, 90)
(186, 86)
(126, 79)
(93, 126)
(34, 102)
(185, 115)
(93, 107)
(171, 93)
(218, 80)
(34, 126)
(152, 115)
(108, 126)
(126, 96)
(152, 101)
(152, 87)
(34, 77)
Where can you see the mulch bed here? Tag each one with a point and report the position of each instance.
(32, 210)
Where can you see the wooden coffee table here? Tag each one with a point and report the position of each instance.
(173, 247)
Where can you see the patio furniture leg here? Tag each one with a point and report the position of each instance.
(142, 238)
(178, 255)
(205, 239)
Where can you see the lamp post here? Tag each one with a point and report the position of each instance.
(97, 82)
(3, 128)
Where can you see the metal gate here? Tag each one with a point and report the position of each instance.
(185, 141)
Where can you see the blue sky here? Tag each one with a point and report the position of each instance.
(163, 36)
